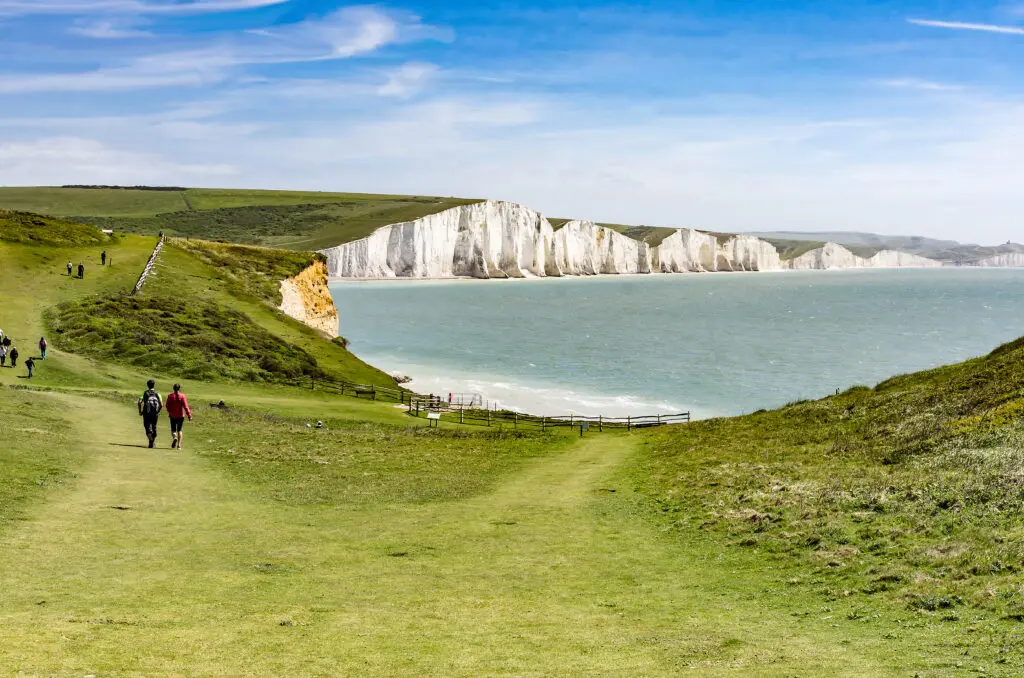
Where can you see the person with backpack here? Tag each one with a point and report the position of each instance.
(150, 405)
(103, 258)
(30, 364)
(177, 410)
(42, 348)
(69, 268)
(13, 353)
(81, 270)
(3, 355)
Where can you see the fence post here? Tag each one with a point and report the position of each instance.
(570, 421)
(312, 383)
(543, 423)
(600, 423)
(659, 420)
(462, 416)
(373, 392)
(515, 420)
(488, 416)
(629, 425)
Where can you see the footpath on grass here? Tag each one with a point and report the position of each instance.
(156, 563)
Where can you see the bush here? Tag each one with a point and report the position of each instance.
(195, 339)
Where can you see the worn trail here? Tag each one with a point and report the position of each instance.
(156, 563)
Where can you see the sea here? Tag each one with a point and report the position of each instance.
(716, 344)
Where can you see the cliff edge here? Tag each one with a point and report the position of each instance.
(496, 239)
(306, 298)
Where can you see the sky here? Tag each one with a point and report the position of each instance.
(871, 115)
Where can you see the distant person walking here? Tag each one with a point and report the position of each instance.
(30, 364)
(13, 354)
(177, 410)
(81, 270)
(149, 409)
(42, 348)
(103, 258)
(3, 355)
(69, 269)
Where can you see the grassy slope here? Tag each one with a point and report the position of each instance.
(287, 219)
(37, 272)
(69, 202)
(378, 547)
(28, 228)
(249, 556)
(906, 498)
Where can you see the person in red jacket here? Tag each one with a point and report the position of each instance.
(177, 409)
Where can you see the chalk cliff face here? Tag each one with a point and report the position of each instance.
(306, 298)
(486, 240)
(496, 239)
(747, 253)
(1009, 260)
(690, 251)
(686, 251)
(584, 248)
(895, 259)
(832, 255)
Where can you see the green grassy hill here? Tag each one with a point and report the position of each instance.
(298, 220)
(873, 533)
(907, 495)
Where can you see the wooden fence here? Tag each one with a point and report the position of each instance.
(458, 412)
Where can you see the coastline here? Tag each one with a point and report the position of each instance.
(535, 397)
(660, 274)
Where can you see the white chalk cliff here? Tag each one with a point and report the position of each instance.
(496, 239)
(1008, 260)
(584, 248)
(832, 256)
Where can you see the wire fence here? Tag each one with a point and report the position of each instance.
(471, 409)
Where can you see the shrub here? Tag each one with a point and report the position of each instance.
(196, 339)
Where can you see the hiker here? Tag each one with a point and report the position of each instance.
(103, 258)
(30, 364)
(69, 268)
(13, 354)
(177, 410)
(3, 355)
(81, 270)
(42, 348)
(149, 409)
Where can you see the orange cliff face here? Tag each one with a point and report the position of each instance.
(306, 298)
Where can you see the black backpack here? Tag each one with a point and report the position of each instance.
(151, 403)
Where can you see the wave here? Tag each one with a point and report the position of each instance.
(534, 398)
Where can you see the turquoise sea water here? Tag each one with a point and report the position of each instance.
(715, 344)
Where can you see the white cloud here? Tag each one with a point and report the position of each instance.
(408, 80)
(28, 7)
(347, 33)
(912, 83)
(107, 30)
(961, 26)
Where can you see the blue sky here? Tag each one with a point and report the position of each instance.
(896, 117)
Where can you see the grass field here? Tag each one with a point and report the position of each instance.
(905, 498)
(875, 533)
(294, 220)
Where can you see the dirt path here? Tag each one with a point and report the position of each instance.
(157, 564)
